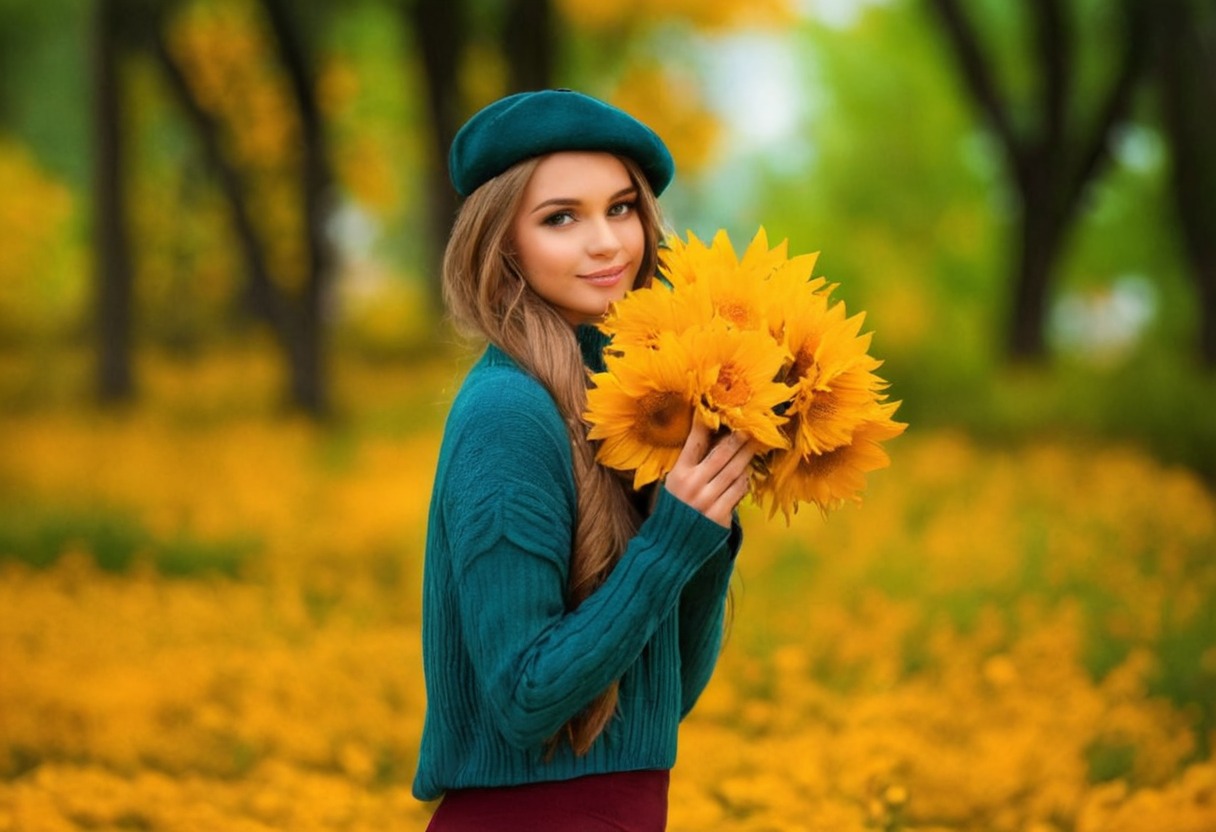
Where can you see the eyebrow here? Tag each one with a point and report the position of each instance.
(566, 201)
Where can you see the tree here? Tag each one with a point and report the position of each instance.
(443, 31)
(305, 340)
(441, 34)
(528, 37)
(1055, 153)
(112, 250)
(294, 314)
(263, 297)
(1187, 72)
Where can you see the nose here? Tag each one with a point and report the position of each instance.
(603, 241)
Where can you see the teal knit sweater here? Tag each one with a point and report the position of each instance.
(506, 663)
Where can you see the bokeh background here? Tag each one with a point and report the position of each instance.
(224, 371)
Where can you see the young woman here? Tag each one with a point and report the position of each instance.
(569, 624)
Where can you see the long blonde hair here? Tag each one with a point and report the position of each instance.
(487, 296)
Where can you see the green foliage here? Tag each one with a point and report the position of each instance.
(43, 80)
(906, 197)
(1157, 399)
(1110, 761)
(1186, 675)
(39, 534)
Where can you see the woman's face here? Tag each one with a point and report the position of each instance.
(578, 236)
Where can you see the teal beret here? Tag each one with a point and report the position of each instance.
(531, 124)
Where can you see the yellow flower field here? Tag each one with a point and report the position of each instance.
(209, 621)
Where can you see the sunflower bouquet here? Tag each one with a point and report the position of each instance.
(752, 345)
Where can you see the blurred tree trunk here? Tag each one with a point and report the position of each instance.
(440, 30)
(306, 339)
(112, 251)
(1052, 160)
(296, 320)
(1188, 87)
(528, 39)
(260, 292)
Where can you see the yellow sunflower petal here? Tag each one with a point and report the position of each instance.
(684, 264)
(829, 479)
(641, 409)
(734, 288)
(640, 316)
(735, 381)
(836, 388)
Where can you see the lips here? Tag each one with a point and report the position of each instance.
(605, 277)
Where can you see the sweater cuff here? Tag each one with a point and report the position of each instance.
(678, 526)
(735, 541)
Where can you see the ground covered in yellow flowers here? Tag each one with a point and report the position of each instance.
(209, 621)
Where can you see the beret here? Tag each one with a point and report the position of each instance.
(531, 124)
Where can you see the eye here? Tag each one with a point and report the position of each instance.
(559, 218)
(622, 208)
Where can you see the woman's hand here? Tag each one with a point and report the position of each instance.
(712, 477)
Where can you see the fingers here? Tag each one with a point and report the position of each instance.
(699, 447)
(722, 509)
(695, 445)
(731, 457)
(712, 479)
(732, 481)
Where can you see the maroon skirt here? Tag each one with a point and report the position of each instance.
(629, 801)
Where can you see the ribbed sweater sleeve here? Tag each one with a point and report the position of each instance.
(509, 508)
(702, 614)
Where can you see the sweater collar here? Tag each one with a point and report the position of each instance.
(591, 343)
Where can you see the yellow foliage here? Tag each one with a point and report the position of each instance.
(395, 311)
(34, 276)
(227, 58)
(184, 269)
(338, 87)
(365, 167)
(672, 104)
(713, 15)
(365, 151)
(483, 74)
(917, 664)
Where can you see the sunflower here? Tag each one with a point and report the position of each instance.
(735, 376)
(832, 374)
(641, 409)
(751, 344)
(793, 296)
(639, 317)
(828, 479)
(733, 288)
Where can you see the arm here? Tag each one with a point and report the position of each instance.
(511, 506)
(702, 614)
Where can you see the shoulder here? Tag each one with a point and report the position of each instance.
(498, 394)
(505, 464)
(497, 381)
(504, 420)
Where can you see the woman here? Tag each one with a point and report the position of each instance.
(569, 624)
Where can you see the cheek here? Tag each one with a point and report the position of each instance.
(541, 254)
(637, 239)
(525, 253)
(635, 242)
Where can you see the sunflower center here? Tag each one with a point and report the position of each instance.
(737, 312)
(664, 419)
(823, 406)
(732, 389)
(804, 363)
